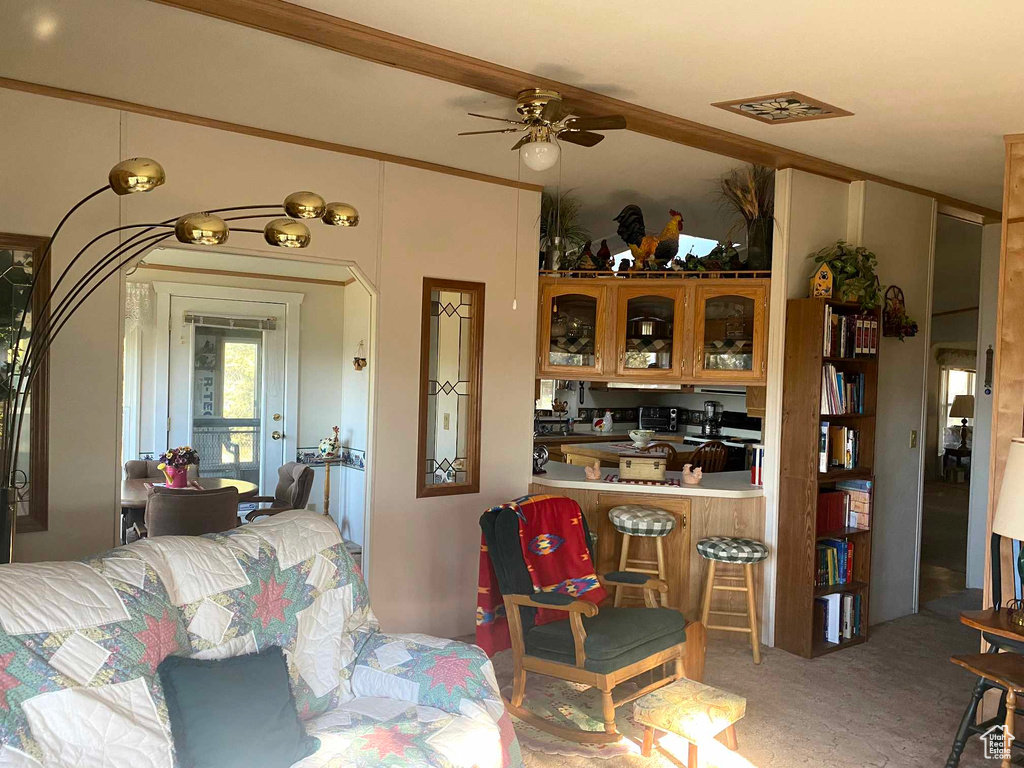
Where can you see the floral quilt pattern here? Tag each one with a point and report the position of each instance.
(80, 644)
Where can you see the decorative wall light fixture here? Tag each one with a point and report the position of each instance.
(359, 361)
(212, 227)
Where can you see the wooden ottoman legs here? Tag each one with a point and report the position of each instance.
(691, 758)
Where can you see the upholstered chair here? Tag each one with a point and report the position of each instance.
(294, 483)
(188, 512)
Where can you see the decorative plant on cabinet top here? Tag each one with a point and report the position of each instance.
(749, 193)
(853, 273)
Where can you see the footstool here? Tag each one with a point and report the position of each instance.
(691, 710)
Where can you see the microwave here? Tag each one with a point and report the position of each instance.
(659, 418)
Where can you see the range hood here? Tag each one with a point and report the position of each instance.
(646, 385)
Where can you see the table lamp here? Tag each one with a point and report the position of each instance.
(1009, 518)
(962, 408)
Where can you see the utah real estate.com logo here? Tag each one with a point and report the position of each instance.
(997, 743)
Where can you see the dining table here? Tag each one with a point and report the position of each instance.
(135, 491)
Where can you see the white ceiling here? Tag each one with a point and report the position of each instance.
(934, 84)
(930, 108)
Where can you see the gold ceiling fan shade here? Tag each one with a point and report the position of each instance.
(545, 117)
(304, 205)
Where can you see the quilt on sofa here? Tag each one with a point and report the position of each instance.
(80, 644)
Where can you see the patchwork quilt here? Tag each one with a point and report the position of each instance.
(80, 644)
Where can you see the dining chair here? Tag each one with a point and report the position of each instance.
(710, 457)
(189, 512)
(294, 484)
(148, 469)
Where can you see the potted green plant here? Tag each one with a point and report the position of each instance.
(562, 236)
(853, 273)
(749, 193)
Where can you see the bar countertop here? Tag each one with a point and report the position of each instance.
(729, 485)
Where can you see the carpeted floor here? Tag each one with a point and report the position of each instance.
(894, 701)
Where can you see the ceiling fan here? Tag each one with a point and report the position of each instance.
(545, 117)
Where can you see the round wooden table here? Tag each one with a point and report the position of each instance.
(134, 494)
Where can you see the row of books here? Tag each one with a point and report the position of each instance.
(834, 561)
(838, 448)
(837, 617)
(849, 506)
(841, 392)
(850, 335)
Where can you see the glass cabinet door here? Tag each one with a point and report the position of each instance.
(730, 333)
(572, 340)
(647, 333)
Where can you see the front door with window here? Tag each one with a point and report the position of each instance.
(226, 384)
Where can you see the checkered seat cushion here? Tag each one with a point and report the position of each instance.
(637, 520)
(729, 549)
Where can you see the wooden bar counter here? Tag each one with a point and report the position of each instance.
(724, 504)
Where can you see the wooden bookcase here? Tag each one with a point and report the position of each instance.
(801, 480)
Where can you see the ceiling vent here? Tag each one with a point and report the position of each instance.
(791, 107)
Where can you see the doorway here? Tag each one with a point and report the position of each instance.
(250, 360)
(952, 384)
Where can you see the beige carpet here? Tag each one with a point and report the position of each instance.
(893, 702)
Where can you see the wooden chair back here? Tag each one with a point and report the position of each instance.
(710, 457)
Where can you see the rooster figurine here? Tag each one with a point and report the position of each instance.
(603, 259)
(649, 252)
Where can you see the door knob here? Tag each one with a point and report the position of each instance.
(276, 435)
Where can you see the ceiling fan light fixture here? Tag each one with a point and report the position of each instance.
(539, 155)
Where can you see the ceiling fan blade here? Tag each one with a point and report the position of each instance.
(524, 140)
(499, 130)
(602, 123)
(583, 138)
(554, 111)
(492, 117)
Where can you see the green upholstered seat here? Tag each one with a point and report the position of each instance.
(616, 637)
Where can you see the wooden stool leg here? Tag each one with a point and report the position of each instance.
(730, 738)
(661, 568)
(623, 559)
(608, 712)
(708, 591)
(691, 757)
(1011, 709)
(755, 640)
(645, 750)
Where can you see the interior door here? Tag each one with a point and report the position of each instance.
(226, 386)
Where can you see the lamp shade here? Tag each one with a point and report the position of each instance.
(962, 408)
(1009, 517)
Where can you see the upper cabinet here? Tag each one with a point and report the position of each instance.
(572, 329)
(649, 331)
(659, 330)
(730, 332)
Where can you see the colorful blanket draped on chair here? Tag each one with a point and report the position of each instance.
(554, 548)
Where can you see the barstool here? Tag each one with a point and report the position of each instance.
(737, 551)
(635, 520)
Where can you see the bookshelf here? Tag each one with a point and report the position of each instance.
(807, 571)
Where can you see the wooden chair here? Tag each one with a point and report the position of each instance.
(997, 643)
(596, 646)
(187, 512)
(710, 457)
(294, 484)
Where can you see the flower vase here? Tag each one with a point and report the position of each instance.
(760, 233)
(177, 477)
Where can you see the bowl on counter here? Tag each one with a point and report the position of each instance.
(641, 437)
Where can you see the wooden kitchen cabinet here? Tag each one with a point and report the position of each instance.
(650, 322)
(731, 332)
(573, 329)
(658, 330)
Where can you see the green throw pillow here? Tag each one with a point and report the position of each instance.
(234, 712)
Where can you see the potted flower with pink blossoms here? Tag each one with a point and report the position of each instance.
(175, 465)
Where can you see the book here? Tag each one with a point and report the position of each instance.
(832, 617)
(847, 628)
(823, 448)
(849, 335)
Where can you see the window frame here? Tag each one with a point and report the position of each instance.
(476, 349)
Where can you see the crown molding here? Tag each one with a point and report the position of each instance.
(325, 31)
(262, 133)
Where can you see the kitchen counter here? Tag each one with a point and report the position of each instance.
(726, 485)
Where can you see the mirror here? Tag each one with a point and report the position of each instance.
(20, 255)
(451, 356)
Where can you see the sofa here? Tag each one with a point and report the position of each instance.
(80, 643)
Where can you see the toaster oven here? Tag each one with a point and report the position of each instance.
(660, 418)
